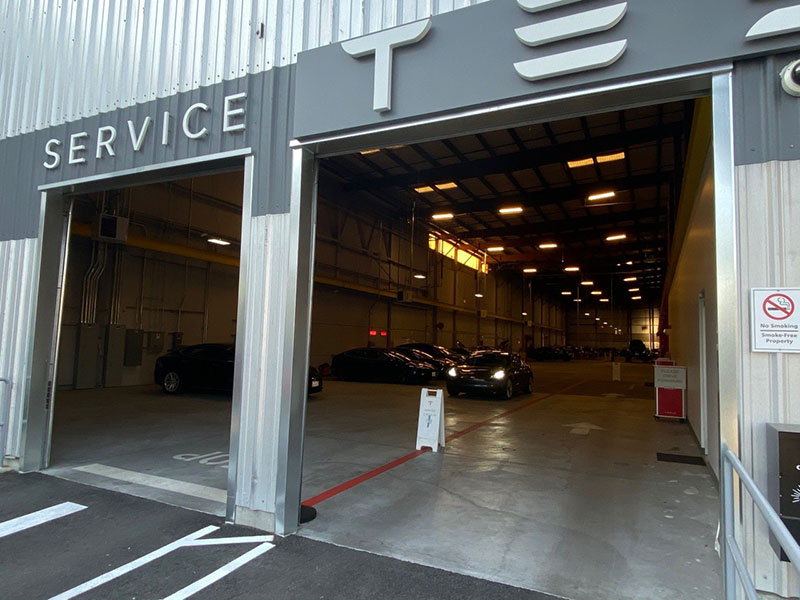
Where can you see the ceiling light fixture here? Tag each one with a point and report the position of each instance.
(479, 295)
(572, 269)
(529, 270)
(548, 246)
(419, 276)
(218, 241)
(372, 151)
(442, 216)
(587, 282)
(606, 158)
(597, 318)
(629, 279)
(585, 314)
(633, 290)
(524, 314)
(602, 196)
(566, 293)
(577, 300)
(604, 300)
(448, 185)
(636, 298)
(629, 263)
(425, 189)
(597, 293)
(495, 249)
(584, 162)
(510, 210)
(616, 237)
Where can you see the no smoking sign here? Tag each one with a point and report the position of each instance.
(775, 320)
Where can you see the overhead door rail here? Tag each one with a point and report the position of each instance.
(733, 560)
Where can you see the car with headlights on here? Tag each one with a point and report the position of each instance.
(491, 372)
(380, 364)
(206, 367)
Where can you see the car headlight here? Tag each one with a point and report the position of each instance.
(452, 372)
(500, 374)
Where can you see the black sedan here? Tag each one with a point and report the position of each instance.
(491, 372)
(438, 356)
(205, 367)
(380, 364)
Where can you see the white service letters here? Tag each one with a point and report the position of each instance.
(233, 121)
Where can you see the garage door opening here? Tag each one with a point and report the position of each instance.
(578, 245)
(147, 340)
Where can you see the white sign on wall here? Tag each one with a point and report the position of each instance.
(430, 428)
(775, 319)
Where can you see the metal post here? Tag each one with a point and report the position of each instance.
(727, 530)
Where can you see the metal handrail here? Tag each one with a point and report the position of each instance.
(733, 561)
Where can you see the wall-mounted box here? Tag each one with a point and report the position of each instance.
(134, 344)
(783, 478)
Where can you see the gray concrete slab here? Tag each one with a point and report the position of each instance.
(524, 499)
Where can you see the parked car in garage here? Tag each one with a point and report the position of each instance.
(438, 356)
(491, 372)
(549, 353)
(380, 364)
(205, 367)
(637, 350)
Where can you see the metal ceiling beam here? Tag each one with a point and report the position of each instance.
(519, 160)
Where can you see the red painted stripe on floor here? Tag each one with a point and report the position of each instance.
(327, 494)
(362, 478)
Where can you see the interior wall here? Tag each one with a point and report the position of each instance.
(168, 299)
(363, 260)
(695, 274)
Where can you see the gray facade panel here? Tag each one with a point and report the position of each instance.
(766, 118)
(468, 58)
(267, 118)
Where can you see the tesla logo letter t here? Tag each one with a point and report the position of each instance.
(382, 44)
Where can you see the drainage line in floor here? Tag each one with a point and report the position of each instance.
(343, 487)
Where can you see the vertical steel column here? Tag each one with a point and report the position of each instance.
(54, 231)
(729, 346)
(299, 284)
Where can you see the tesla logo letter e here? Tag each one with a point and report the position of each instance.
(382, 45)
(563, 28)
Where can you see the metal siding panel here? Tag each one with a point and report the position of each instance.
(769, 217)
(69, 60)
(18, 259)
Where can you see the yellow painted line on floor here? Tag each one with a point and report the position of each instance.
(163, 483)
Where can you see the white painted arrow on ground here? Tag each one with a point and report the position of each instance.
(582, 428)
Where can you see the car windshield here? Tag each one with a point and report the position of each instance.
(487, 360)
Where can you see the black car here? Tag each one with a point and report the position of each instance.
(205, 367)
(637, 350)
(549, 353)
(491, 372)
(439, 356)
(380, 364)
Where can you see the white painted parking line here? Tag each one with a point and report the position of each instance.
(39, 517)
(135, 564)
(206, 581)
(245, 539)
(171, 485)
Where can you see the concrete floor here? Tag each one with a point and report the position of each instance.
(529, 499)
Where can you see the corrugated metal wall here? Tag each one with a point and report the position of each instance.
(18, 261)
(68, 59)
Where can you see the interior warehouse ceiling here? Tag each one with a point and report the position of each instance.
(637, 153)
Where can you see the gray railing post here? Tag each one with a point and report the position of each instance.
(727, 533)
